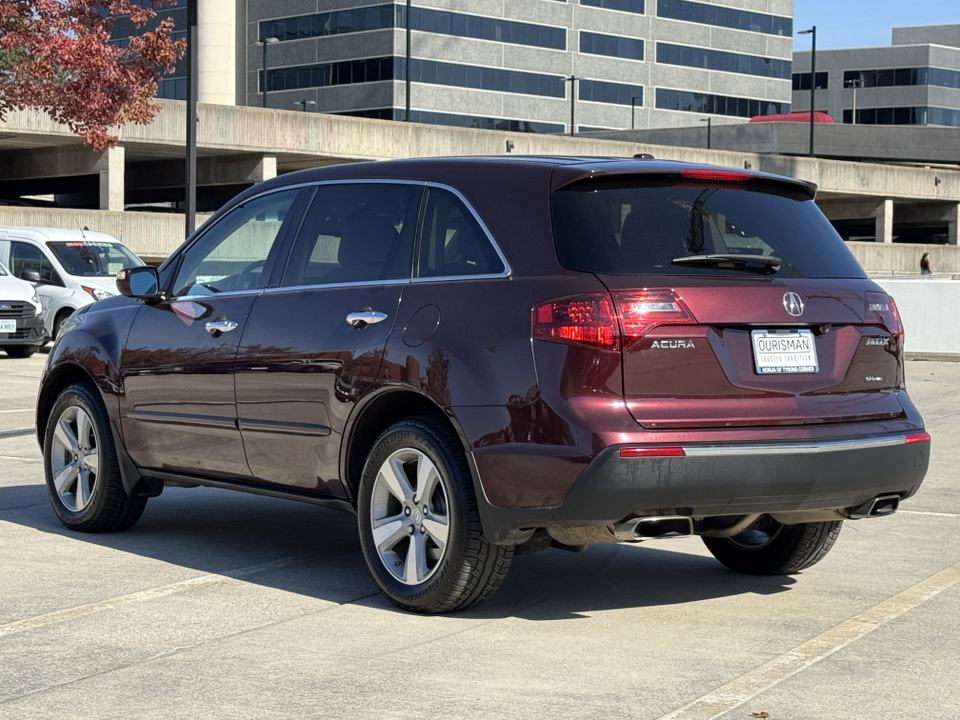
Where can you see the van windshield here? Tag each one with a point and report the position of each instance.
(665, 227)
(90, 258)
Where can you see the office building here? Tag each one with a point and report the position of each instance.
(914, 81)
(502, 65)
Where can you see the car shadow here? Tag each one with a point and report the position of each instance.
(301, 548)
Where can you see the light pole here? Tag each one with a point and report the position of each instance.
(190, 189)
(266, 78)
(573, 101)
(406, 116)
(854, 84)
(813, 78)
(633, 111)
(709, 122)
(303, 103)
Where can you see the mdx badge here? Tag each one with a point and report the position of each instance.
(793, 304)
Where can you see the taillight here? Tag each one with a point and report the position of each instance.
(596, 320)
(641, 452)
(917, 437)
(586, 319)
(715, 175)
(643, 310)
(882, 310)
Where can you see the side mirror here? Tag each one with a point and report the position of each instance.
(30, 276)
(139, 282)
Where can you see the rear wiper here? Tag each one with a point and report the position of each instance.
(752, 263)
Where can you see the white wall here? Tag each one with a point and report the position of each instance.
(928, 307)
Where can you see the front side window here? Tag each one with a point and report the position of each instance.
(232, 255)
(452, 242)
(90, 258)
(356, 233)
(24, 256)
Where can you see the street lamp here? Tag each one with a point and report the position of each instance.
(813, 77)
(854, 83)
(573, 101)
(266, 78)
(303, 103)
(633, 111)
(709, 122)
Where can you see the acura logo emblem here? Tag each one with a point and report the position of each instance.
(5, 306)
(793, 304)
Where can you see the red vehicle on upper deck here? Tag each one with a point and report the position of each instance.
(480, 356)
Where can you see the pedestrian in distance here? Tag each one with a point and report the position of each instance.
(925, 264)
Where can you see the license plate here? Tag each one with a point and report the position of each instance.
(8, 326)
(784, 351)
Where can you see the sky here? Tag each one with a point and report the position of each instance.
(866, 23)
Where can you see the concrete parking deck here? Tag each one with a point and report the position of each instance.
(223, 605)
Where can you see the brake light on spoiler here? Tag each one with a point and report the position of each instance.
(613, 321)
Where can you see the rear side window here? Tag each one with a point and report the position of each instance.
(452, 242)
(644, 228)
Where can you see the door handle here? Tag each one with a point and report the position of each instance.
(365, 317)
(218, 327)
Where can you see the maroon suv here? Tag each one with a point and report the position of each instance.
(483, 356)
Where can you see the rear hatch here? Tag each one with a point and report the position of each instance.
(738, 304)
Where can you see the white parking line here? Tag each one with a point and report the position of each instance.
(748, 686)
(18, 410)
(39, 621)
(926, 512)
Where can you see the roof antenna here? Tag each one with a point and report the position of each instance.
(82, 228)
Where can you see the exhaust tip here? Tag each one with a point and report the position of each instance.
(654, 528)
(880, 506)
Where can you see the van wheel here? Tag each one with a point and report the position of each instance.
(20, 351)
(81, 467)
(771, 548)
(60, 323)
(419, 523)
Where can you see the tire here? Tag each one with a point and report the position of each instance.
(770, 548)
(427, 557)
(59, 323)
(20, 351)
(81, 467)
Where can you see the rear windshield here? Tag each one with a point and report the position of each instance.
(643, 227)
(88, 258)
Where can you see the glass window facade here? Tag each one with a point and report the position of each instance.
(608, 92)
(483, 28)
(725, 17)
(481, 78)
(723, 61)
(612, 45)
(634, 6)
(348, 72)
(905, 116)
(801, 81)
(172, 88)
(890, 77)
(717, 104)
(453, 120)
(380, 17)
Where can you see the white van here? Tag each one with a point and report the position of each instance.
(69, 268)
(21, 320)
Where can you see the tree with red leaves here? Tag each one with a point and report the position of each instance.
(55, 56)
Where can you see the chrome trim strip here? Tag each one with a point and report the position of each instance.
(291, 288)
(211, 421)
(796, 449)
(215, 296)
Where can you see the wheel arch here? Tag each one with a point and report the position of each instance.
(59, 378)
(376, 413)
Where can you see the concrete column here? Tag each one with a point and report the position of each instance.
(266, 169)
(217, 59)
(884, 222)
(953, 220)
(110, 169)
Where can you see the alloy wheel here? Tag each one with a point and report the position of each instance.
(409, 516)
(75, 458)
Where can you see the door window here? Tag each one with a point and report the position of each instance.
(24, 256)
(239, 251)
(452, 242)
(356, 233)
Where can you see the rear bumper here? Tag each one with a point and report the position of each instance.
(30, 331)
(728, 479)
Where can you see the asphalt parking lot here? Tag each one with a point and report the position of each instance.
(224, 605)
